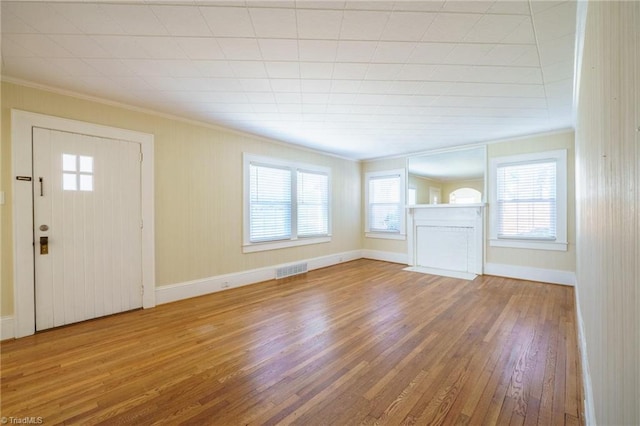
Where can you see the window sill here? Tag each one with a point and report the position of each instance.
(527, 244)
(385, 236)
(275, 245)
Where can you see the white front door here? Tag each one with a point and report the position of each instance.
(87, 226)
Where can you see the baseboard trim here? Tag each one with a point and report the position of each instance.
(174, 292)
(387, 256)
(7, 330)
(589, 404)
(551, 276)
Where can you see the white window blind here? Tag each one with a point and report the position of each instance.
(269, 203)
(385, 208)
(313, 203)
(527, 200)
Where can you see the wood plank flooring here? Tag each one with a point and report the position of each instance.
(363, 342)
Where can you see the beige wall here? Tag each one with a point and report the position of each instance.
(422, 185)
(545, 259)
(198, 190)
(608, 208)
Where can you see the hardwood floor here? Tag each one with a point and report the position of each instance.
(358, 343)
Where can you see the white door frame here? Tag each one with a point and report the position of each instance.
(22, 123)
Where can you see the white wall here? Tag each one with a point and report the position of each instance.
(608, 208)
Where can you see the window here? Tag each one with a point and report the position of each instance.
(385, 199)
(286, 204)
(529, 201)
(465, 196)
(77, 172)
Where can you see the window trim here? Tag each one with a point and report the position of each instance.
(560, 243)
(389, 235)
(294, 167)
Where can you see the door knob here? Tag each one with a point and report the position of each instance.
(44, 228)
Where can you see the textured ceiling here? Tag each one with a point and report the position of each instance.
(361, 79)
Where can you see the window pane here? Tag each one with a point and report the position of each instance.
(86, 164)
(313, 204)
(384, 217)
(69, 182)
(526, 197)
(69, 163)
(86, 183)
(384, 189)
(269, 203)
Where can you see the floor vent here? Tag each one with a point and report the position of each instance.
(290, 270)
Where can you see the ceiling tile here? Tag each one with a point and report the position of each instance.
(317, 50)
(419, 6)
(215, 69)
(114, 67)
(200, 47)
(407, 87)
(323, 70)
(555, 22)
(407, 26)
(261, 98)
(319, 24)
(431, 53)
(42, 17)
(315, 86)
(393, 52)
(315, 98)
(383, 71)
(89, 18)
(278, 49)
(476, 6)
(80, 46)
(255, 84)
(513, 7)
(369, 4)
(556, 50)
(11, 23)
(416, 72)
(355, 51)
(12, 49)
(40, 45)
(345, 86)
(275, 23)
(228, 21)
(488, 89)
(283, 69)
(248, 69)
(468, 53)
(75, 67)
(498, 28)
(451, 27)
(363, 25)
(134, 19)
(320, 4)
(288, 98)
(285, 85)
(147, 67)
(349, 71)
(240, 48)
(121, 47)
(160, 47)
(182, 20)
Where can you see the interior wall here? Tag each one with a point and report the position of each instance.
(198, 190)
(544, 259)
(422, 185)
(608, 208)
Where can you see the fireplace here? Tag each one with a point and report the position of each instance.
(446, 239)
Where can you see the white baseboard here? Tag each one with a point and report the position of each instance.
(387, 256)
(552, 276)
(7, 330)
(589, 406)
(173, 292)
(442, 272)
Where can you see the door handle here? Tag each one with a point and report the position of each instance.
(44, 245)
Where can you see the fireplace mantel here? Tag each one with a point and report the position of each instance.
(446, 239)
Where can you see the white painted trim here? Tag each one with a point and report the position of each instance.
(551, 276)
(529, 244)
(174, 292)
(7, 330)
(386, 235)
(22, 123)
(386, 256)
(589, 404)
(275, 245)
(442, 272)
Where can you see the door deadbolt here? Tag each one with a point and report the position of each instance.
(44, 245)
(44, 228)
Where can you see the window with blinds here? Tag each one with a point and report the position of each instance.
(385, 202)
(528, 200)
(526, 197)
(285, 202)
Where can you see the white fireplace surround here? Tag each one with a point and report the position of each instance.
(446, 239)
